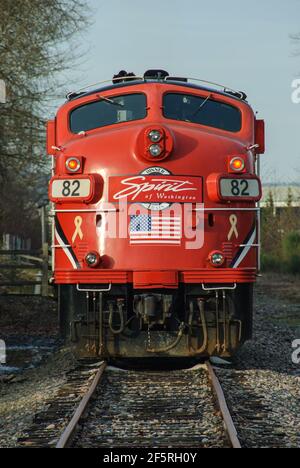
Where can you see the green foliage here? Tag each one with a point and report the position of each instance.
(291, 252)
(291, 243)
(281, 236)
(271, 263)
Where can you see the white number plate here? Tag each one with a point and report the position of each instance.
(240, 188)
(71, 188)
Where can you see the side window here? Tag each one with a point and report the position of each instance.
(108, 111)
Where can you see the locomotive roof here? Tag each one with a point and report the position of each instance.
(238, 96)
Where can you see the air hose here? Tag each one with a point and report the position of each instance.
(172, 345)
(111, 317)
(201, 304)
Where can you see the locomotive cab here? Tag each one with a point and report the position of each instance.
(155, 191)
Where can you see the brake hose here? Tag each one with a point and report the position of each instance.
(122, 324)
(171, 346)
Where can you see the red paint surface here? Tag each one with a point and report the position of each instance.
(114, 153)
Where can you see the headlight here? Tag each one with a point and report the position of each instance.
(155, 151)
(92, 259)
(217, 259)
(155, 136)
(237, 164)
(73, 164)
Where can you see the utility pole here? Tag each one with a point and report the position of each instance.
(45, 249)
(2, 101)
(2, 92)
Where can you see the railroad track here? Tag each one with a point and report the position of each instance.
(222, 404)
(48, 424)
(105, 407)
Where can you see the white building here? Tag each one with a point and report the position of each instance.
(281, 194)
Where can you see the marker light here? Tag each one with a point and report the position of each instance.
(237, 164)
(73, 164)
(217, 259)
(155, 136)
(92, 259)
(155, 150)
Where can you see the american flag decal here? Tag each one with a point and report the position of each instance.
(149, 229)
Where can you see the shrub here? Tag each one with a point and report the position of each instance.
(271, 263)
(291, 252)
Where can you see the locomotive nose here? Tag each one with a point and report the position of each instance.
(154, 143)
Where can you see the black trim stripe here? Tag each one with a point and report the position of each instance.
(66, 242)
(241, 249)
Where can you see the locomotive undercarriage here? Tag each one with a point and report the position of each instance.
(126, 323)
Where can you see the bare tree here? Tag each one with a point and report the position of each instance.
(37, 43)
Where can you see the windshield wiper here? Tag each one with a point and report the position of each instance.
(202, 105)
(110, 101)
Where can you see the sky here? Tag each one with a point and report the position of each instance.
(245, 45)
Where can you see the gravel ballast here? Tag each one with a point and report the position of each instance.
(154, 409)
(261, 385)
(28, 393)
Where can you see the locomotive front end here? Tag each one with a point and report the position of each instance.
(155, 193)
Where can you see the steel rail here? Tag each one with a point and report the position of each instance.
(68, 433)
(229, 424)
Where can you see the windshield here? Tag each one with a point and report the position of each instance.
(203, 111)
(108, 111)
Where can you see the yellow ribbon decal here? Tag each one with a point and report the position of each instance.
(233, 231)
(78, 231)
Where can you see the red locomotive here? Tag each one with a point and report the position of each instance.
(155, 193)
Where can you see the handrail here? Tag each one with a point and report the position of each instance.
(94, 290)
(166, 79)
